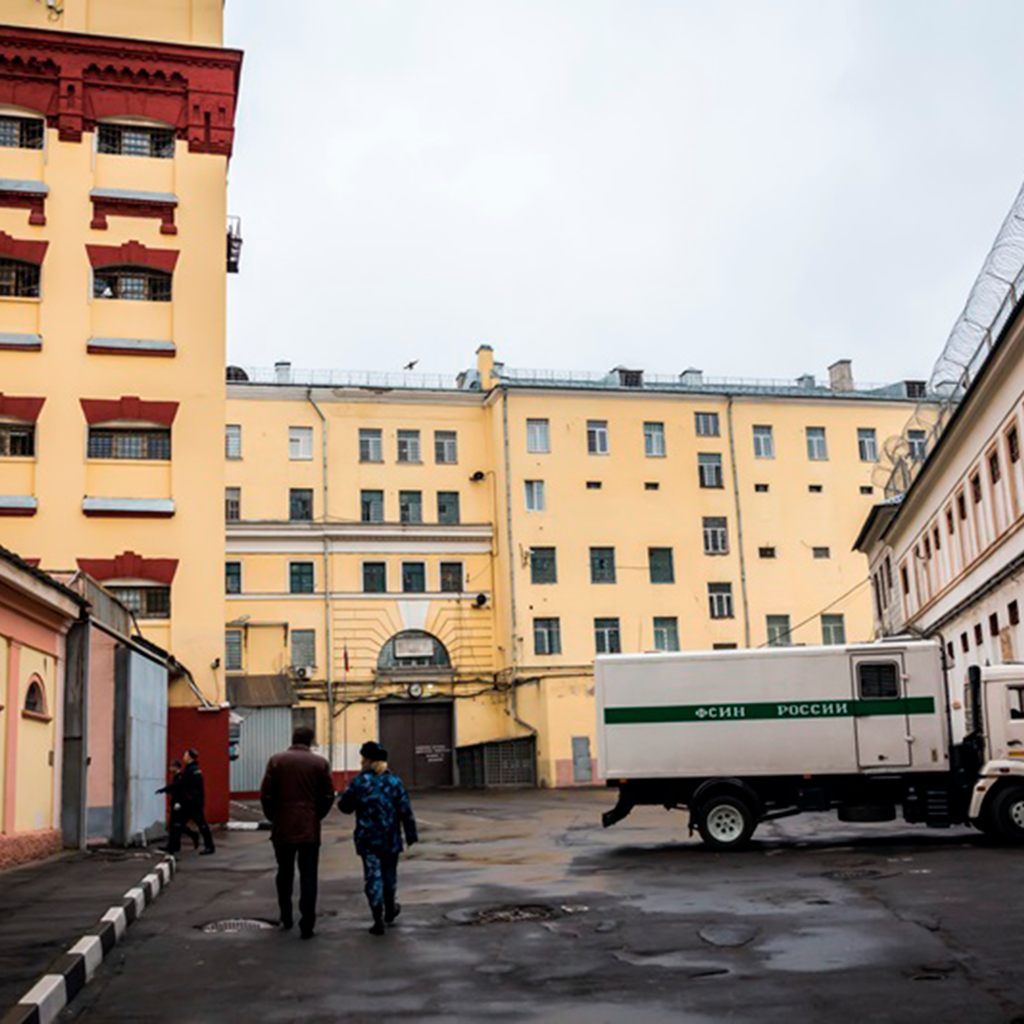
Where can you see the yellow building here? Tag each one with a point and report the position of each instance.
(116, 125)
(440, 560)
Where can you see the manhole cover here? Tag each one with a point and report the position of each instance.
(508, 915)
(236, 924)
(851, 874)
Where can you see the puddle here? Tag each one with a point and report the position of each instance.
(678, 960)
(814, 950)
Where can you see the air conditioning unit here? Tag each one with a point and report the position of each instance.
(304, 672)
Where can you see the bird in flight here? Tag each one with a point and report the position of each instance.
(410, 366)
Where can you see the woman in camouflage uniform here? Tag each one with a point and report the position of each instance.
(382, 809)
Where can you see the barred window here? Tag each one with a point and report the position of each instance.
(661, 565)
(19, 280)
(134, 284)
(233, 441)
(233, 650)
(547, 636)
(300, 504)
(17, 440)
(106, 443)
(21, 132)
(446, 446)
(232, 504)
(371, 446)
(602, 565)
(145, 602)
(303, 648)
(135, 140)
(543, 565)
(414, 577)
(301, 578)
(878, 680)
(375, 577)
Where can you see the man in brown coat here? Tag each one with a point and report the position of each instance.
(297, 792)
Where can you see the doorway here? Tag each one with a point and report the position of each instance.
(418, 738)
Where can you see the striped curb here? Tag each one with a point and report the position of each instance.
(73, 970)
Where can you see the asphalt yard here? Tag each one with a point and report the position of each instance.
(519, 906)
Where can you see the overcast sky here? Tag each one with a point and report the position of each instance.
(753, 187)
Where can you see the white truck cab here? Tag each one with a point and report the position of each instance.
(739, 737)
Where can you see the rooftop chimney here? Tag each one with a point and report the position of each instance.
(840, 375)
(485, 366)
(805, 380)
(283, 373)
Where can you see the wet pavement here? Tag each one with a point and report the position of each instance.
(519, 906)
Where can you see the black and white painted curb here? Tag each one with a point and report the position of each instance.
(73, 970)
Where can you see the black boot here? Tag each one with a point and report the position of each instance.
(378, 921)
(392, 908)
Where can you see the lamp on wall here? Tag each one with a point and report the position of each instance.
(477, 476)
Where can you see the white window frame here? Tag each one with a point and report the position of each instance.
(828, 630)
(237, 499)
(229, 665)
(536, 500)
(764, 441)
(300, 444)
(538, 436)
(710, 472)
(553, 629)
(918, 442)
(233, 441)
(704, 422)
(373, 438)
(448, 440)
(720, 602)
(309, 663)
(779, 630)
(666, 633)
(817, 444)
(716, 536)
(867, 444)
(408, 441)
(654, 440)
(597, 437)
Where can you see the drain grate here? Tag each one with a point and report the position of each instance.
(234, 925)
(510, 915)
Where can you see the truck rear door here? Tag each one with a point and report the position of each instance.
(882, 723)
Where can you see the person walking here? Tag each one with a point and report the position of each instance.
(296, 794)
(383, 812)
(193, 806)
(173, 789)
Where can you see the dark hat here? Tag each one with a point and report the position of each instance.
(373, 751)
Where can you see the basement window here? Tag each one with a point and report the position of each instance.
(135, 140)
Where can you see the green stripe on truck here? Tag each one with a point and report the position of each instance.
(769, 710)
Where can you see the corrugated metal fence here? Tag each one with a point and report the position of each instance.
(261, 733)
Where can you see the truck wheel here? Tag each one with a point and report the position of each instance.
(726, 822)
(1008, 813)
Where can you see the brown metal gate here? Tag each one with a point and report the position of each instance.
(419, 742)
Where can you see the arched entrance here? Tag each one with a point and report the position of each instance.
(417, 729)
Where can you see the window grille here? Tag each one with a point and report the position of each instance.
(538, 440)
(654, 440)
(778, 631)
(133, 284)
(301, 578)
(233, 650)
(300, 505)
(833, 629)
(878, 680)
(709, 469)
(547, 636)
(232, 504)
(707, 424)
(448, 510)
(414, 577)
(446, 446)
(602, 565)
(764, 443)
(232, 577)
(145, 602)
(19, 280)
(720, 600)
(371, 446)
(233, 441)
(543, 565)
(409, 446)
(666, 634)
(375, 577)
(660, 565)
(597, 437)
(300, 444)
(410, 506)
(716, 535)
(21, 133)
(534, 495)
(817, 446)
(17, 440)
(452, 577)
(106, 443)
(372, 505)
(867, 445)
(135, 140)
(606, 636)
(303, 648)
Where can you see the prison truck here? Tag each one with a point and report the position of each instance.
(745, 736)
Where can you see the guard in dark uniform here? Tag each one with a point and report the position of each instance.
(173, 789)
(383, 812)
(193, 806)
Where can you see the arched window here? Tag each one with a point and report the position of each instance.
(19, 279)
(413, 648)
(35, 697)
(136, 140)
(21, 132)
(139, 284)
